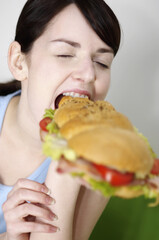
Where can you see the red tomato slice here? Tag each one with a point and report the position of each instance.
(44, 122)
(114, 177)
(155, 168)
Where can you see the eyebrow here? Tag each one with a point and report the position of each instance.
(77, 45)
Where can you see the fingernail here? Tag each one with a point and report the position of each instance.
(45, 190)
(50, 200)
(53, 217)
(54, 229)
(57, 229)
(49, 192)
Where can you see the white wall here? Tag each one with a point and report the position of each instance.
(135, 72)
(9, 13)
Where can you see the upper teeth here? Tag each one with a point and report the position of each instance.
(73, 94)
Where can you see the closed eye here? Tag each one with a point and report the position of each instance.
(65, 56)
(102, 65)
(71, 56)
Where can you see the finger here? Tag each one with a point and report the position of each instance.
(28, 184)
(27, 209)
(23, 195)
(39, 227)
(27, 227)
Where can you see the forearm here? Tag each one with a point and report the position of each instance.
(3, 236)
(64, 190)
(89, 208)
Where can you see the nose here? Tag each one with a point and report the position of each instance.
(85, 71)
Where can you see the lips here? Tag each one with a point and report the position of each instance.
(75, 93)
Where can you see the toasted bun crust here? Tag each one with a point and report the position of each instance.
(100, 103)
(92, 120)
(72, 108)
(104, 106)
(117, 148)
(67, 99)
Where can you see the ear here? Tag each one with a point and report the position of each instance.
(17, 62)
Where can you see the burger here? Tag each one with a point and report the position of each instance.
(100, 147)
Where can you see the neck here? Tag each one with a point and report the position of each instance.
(21, 129)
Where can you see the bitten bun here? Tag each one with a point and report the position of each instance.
(116, 148)
(79, 124)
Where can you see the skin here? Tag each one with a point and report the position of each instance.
(45, 73)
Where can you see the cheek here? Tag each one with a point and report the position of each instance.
(39, 94)
(102, 87)
(42, 85)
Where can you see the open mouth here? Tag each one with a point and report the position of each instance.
(72, 94)
(57, 100)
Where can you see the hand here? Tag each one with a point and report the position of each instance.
(20, 216)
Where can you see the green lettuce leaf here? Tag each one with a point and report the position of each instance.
(105, 188)
(49, 113)
(52, 127)
(77, 174)
(55, 147)
(109, 191)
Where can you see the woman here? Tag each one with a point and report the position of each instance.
(60, 46)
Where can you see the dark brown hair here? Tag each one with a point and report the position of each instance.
(36, 15)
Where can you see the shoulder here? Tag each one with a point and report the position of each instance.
(7, 98)
(4, 101)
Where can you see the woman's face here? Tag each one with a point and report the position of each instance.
(68, 58)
